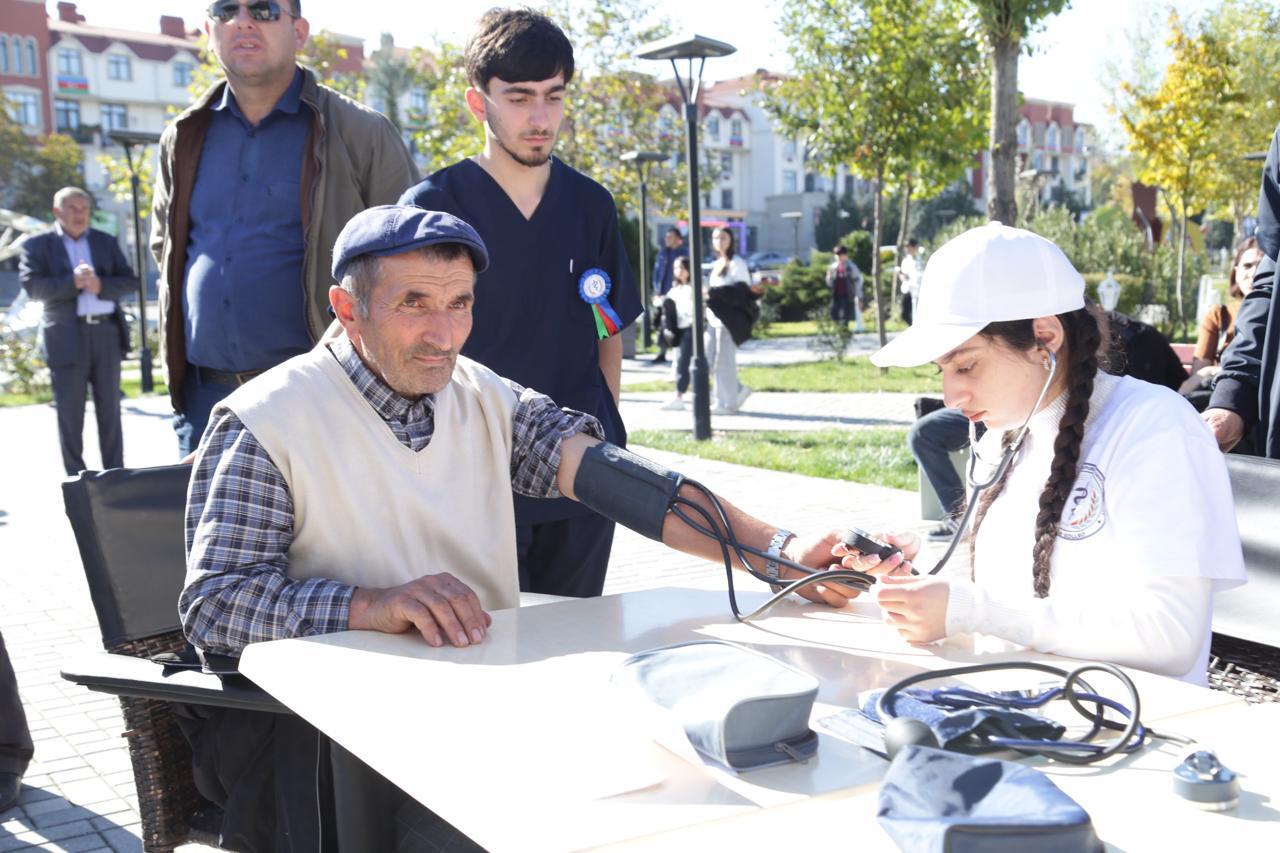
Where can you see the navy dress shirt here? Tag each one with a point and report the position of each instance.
(242, 298)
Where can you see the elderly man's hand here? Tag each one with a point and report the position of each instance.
(441, 607)
(1227, 427)
(819, 553)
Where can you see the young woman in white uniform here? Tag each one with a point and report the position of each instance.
(1113, 527)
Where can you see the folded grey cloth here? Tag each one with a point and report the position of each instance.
(738, 707)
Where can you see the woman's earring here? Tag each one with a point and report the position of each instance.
(1046, 364)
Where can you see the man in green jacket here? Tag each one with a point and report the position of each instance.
(256, 179)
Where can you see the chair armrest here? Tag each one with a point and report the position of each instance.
(122, 675)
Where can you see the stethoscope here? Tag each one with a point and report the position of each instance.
(901, 731)
(717, 527)
(1001, 467)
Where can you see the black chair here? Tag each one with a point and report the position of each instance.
(1245, 656)
(128, 525)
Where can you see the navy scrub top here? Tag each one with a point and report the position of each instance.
(530, 324)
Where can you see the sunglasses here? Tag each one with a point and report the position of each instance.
(260, 10)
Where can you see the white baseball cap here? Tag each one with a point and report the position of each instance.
(988, 274)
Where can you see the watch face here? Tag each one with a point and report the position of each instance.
(594, 285)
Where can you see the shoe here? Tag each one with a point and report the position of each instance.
(675, 404)
(943, 532)
(723, 410)
(10, 788)
(660, 359)
(743, 393)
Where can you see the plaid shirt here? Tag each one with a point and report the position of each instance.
(239, 522)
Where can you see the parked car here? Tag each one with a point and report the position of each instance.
(757, 261)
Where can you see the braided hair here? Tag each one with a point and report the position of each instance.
(1082, 341)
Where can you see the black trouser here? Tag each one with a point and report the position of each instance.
(98, 366)
(567, 557)
(15, 738)
(906, 308)
(841, 308)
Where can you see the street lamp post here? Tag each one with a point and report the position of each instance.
(127, 139)
(795, 216)
(691, 47)
(641, 159)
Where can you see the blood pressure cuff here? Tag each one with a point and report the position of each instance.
(740, 708)
(959, 728)
(626, 488)
(934, 801)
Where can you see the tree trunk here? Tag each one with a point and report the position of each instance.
(1002, 203)
(877, 229)
(902, 224)
(1182, 253)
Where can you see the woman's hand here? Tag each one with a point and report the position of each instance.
(896, 564)
(915, 606)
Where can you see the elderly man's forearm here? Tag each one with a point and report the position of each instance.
(226, 612)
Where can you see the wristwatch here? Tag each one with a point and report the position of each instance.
(775, 550)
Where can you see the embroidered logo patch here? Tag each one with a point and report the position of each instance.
(1084, 514)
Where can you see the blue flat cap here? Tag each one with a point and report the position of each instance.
(392, 229)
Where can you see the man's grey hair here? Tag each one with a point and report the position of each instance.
(70, 192)
(364, 272)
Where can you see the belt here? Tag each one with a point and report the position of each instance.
(220, 377)
(95, 319)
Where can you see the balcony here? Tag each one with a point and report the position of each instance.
(85, 134)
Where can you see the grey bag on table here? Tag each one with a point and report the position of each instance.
(742, 709)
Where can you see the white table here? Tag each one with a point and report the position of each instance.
(521, 744)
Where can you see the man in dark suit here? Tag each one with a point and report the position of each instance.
(80, 274)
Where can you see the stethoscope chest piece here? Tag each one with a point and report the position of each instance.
(1202, 779)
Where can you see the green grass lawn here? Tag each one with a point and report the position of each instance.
(808, 328)
(875, 456)
(848, 376)
(130, 385)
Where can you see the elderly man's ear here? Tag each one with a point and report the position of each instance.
(343, 307)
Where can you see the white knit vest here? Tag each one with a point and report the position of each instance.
(369, 511)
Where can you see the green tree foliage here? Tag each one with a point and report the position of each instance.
(1004, 25)
(450, 133)
(119, 185)
(33, 169)
(390, 77)
(880, 91)
(1247, 28)
(1175, 131)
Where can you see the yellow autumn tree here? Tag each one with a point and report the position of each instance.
(1174, 132)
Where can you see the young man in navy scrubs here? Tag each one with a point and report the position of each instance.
(558, 287)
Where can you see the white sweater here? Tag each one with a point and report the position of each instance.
(1146, 538)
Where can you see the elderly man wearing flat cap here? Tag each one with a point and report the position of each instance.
(368, 483)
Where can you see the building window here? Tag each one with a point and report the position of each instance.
(726, 199)
(418, 101)
(114, 117)
(118, 67)
(1037, 161)
(1053, 165)
(726, 164)
(66, 116)
(182, 74)
(789, 180)
(1024, 133)
(1052, 137)
(1079, 146)
(789, 149)
(735, 128)
(24, 108)
(69, 62)
(4, 54)
(32, 70)
(713, 127)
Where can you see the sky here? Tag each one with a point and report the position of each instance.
(1068, 63)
